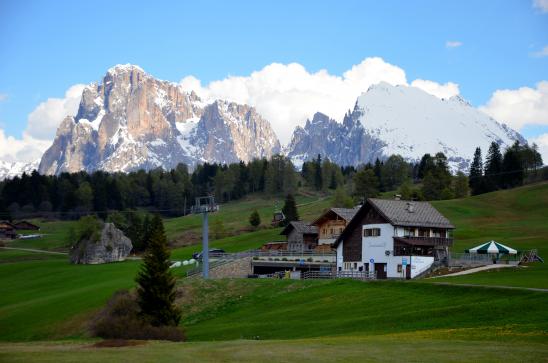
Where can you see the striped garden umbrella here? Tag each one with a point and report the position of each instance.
(492, 247)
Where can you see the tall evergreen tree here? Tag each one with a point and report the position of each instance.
(290, 209)
(319, 178)
(475, 178)
(493, 168)
(512, 167)
(156, 285)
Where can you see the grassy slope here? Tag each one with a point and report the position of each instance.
(517, 218)
(347, 349)
(303, 309)
(55, 236)
(235, 215)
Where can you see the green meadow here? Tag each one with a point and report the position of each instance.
(45, 302)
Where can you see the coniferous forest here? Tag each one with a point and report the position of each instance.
(172, 193)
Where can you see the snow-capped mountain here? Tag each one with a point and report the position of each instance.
(130, 120)
(11, 169)
(401, 120)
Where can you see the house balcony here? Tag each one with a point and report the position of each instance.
(425, 241)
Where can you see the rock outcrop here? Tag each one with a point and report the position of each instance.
(112, 246)
(131, 121)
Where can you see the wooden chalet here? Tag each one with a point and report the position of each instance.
(25, 225)
(395, 238)
(7, 230)
(332, 222)
(301, 236)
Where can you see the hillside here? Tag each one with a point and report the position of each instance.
(43, 297)
(516, 217)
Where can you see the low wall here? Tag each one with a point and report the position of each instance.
(237, 268)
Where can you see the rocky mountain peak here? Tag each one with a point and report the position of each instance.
(131, 120)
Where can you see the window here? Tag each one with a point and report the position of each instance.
(399, 268)
(409, 232)
(371, 232)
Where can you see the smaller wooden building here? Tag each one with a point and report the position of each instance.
(26, 225)
(332, 223)
(7, 230)
(301, 236)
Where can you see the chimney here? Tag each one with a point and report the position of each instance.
(410, 207)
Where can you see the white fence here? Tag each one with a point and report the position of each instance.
(357, 275)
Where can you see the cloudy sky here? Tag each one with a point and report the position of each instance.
(289, 60)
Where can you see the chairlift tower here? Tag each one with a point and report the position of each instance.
(203, 206)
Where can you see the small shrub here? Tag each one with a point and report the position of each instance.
(310, 259)
(255, 219)
(121, 319)
(284, 259)
(276, 259)
(255, 258)
(89, 228)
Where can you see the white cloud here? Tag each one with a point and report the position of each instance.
(541, 53)
(446, 90)
(542, 5)
(26, 149)
(519, 107)
(42, 124)
(3, 97)
(43, 121)
(288, 94)
(542, 143)
(453, 44)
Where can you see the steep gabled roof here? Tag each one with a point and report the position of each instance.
(410, 214)
(400, 213)
(300, 227)
(345, 213)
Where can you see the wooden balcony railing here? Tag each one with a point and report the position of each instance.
(428, 241)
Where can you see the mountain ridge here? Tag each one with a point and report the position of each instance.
(130, 120)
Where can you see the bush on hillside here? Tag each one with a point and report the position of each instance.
(121, 318)
(89, 228)
(255, 219)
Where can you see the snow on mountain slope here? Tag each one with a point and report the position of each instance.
(412, 122)
(130, 121)
(11, 169)
(401, 120)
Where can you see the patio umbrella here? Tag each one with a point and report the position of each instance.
(492, 247)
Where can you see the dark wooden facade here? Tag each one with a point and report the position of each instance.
(352, 246)
(25, 225)
(7, 230)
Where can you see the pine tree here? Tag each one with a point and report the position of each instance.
(156, 285)
(475, 178)
(290, 209)
(512, 167)
(319, 177)
(493, 168)
(255, 219)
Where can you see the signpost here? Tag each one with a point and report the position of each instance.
(203, 206)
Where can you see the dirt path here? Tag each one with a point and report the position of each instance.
(493, 286)
(474, 270)
(34, 250)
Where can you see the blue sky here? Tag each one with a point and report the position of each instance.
(48, 46)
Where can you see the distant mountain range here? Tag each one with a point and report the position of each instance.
(130, 120)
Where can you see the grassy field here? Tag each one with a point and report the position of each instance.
(517, 218)
(284, 309)
(392, 348)
(235, 215)
(55, 236)
(43, 297)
